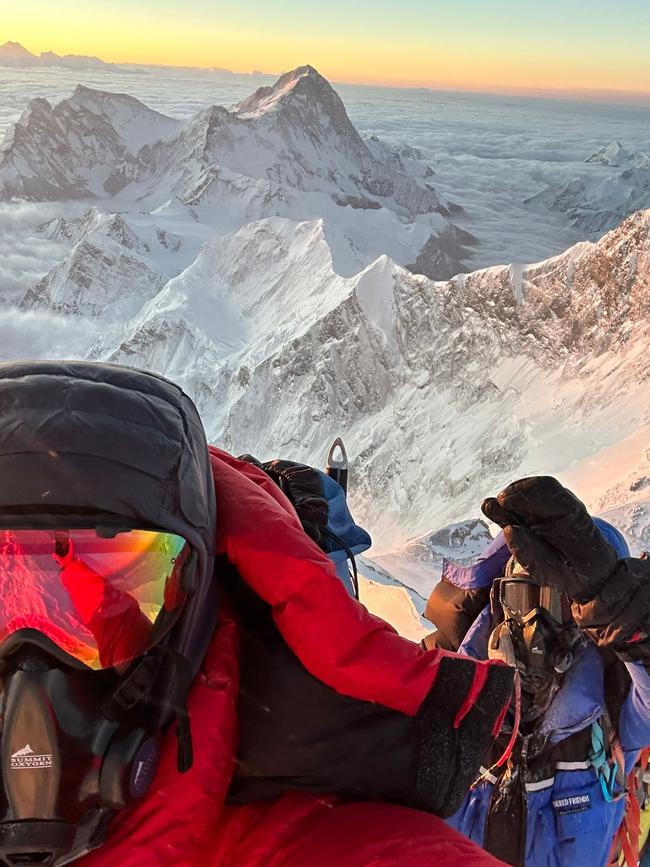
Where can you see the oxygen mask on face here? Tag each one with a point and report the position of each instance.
(534, 633)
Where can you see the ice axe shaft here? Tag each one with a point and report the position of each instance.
(337, 465)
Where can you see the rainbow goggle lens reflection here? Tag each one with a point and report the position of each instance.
(104, 601)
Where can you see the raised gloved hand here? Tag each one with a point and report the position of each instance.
(552, 535)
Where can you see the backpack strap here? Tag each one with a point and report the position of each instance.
(627, 840)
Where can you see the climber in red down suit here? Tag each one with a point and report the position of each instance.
(186, 681)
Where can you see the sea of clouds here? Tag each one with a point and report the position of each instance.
(489, 153)
(492, 152)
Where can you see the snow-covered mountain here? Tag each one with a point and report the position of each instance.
(14, 54)
(617, 155)
(111, 269)
(72, 150)
(273, 262)
(287, 150)
(417, 565)
(600, 202)
(458, 542)
(444, 391)
(295, 135)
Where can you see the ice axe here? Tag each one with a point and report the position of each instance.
(337, 464)
(336, 468)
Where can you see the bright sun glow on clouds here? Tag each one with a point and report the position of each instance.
(474, 43)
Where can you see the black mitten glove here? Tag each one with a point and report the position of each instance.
(619, 616)
(551, 534)
(303, 486)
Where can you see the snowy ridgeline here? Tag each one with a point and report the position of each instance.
(260, 257)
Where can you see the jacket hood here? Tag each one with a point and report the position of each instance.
(79, 438)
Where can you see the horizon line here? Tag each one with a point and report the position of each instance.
(601, 94)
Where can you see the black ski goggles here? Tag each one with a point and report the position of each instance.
(521, 599)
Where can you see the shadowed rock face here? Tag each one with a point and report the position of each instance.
(443, 254)
(69, 151)
(581, 301)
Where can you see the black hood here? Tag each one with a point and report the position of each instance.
(81, 437)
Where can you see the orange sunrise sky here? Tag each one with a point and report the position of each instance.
(484, 44)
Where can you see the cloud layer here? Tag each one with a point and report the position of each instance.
(489, 152)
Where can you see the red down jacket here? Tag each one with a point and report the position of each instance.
(185, 821)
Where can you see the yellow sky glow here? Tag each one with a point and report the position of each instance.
(469, 62)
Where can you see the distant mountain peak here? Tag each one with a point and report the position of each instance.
(305, 71)
(83, 90)
(213, 114)
(36, 108)
(594, 204)
(304, 80)
(15, 54)
(14, 50)
(295, 77)
(305, 101)
(93, 94)
(613, 154)
(284, 141)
